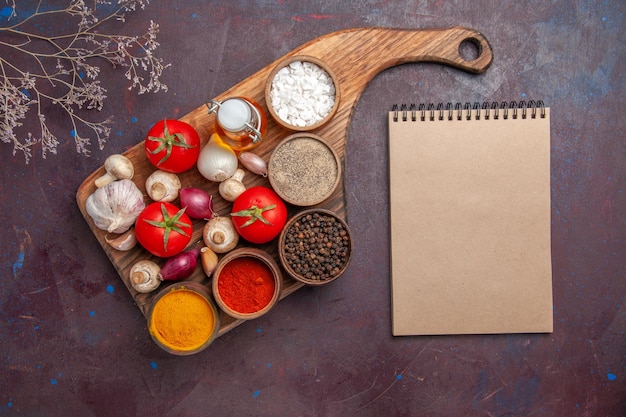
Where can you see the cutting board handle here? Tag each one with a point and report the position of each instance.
(382, 48)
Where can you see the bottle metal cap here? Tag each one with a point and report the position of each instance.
(233, 115)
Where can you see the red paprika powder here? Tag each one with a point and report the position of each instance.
(246, 285)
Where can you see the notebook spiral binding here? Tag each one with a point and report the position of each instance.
(476, 110)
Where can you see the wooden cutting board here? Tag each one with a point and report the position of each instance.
(355, 56)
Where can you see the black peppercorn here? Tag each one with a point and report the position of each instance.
(317, 246)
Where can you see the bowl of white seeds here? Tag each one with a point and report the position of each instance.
(302, 93)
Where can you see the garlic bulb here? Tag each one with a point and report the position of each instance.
(115, 206)
(232, 187)
(217, 161)
(144, 276)
(163, 186)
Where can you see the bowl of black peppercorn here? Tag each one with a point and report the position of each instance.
(315, 246)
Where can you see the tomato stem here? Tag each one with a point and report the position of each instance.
(170, 223)
(255, 213)
(167, 143)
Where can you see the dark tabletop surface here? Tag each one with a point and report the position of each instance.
(74, 344)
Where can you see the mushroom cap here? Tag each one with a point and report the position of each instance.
(219, 234)
(119, 166)
(163, 186)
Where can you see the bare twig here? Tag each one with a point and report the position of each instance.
(58, 69)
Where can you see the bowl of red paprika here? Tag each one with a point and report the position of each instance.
(246, 283)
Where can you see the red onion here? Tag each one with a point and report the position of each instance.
(198, 203)
(180, 266)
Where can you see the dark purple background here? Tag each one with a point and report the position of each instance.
(75, 345)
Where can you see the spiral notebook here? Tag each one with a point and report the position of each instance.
(470, 218)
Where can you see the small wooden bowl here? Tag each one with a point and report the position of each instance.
(199, 295)
(256, 255)
(292, 252)
(268, 89)
(304, 170)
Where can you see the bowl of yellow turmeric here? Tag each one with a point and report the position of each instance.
(182, 319)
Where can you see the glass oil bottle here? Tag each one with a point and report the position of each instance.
(241, 123)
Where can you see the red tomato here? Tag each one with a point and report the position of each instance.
(163, 229)
(172, 145)
(259, 214)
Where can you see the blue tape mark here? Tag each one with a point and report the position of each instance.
(19, 263)
(6, 11)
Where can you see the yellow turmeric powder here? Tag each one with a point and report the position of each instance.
(182, 320)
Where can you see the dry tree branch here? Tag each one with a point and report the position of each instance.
(58, 70)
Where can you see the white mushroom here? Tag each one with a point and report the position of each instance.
(118, 167)
(144, 276)
(163, 186)
(232, 187)
(220, 235)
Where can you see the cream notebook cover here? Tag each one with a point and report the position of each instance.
(470, 219)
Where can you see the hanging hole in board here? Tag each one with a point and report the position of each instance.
(470, 49)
